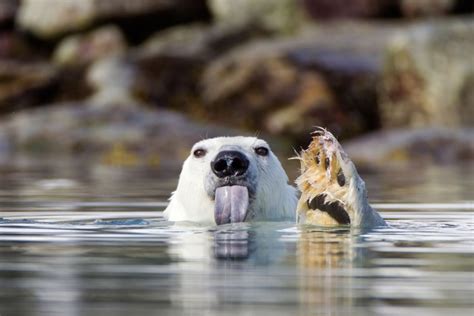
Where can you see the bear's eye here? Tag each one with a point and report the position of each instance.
(261, 151)
(198, 153)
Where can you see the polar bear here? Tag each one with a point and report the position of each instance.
(232, 179)
(235, 179)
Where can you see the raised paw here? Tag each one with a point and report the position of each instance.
(332, 193)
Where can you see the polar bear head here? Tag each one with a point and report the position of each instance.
(232, 179)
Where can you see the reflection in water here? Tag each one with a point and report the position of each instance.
(232, 245)
(138, 265)
(322, 254)
(96, 244)
(325, 253)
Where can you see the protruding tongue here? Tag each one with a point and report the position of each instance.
(231, 204)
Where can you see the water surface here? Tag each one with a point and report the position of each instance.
(85, 239)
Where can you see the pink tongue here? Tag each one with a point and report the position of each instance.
(231, 204)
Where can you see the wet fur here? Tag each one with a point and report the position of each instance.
(328, 175)
(273, 198)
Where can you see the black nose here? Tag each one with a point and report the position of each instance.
(229, 163)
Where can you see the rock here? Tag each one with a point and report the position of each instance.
(169, 64)
(51, 18)
(325, 76)
(112, 79)
(164, 70)
(24, 85)
(312, 97)
(428, 145)
(197, 41)
(114, 133)
(185, 41)
(351, 77)
(278, 15)
(83, 49)
(428, 76)
(271, 94)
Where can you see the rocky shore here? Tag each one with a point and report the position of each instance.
(148, 78)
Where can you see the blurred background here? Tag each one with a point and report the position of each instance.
(101, 100)
(137, 82)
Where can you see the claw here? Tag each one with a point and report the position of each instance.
(323, 157)
(320, 131)
(317, 158)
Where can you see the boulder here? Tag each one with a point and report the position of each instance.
(164, 70)
(51, 18)
(85, 48)
(415, 146)
(351, 77)
(113, 81)
(198, 41)
(428, 75)
(284, 16)
(135, 132)
(169, 64)
(327, 75)
(186, 41)
(267, 92)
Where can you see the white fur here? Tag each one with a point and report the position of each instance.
(275, 199)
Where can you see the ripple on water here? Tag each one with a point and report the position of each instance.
(87, 241)
(260, 265)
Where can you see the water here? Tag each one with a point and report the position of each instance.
(85, 239)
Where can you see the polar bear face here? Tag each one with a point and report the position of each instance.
(232, 179)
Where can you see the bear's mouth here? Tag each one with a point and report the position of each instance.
(231, 204)
(232, 196)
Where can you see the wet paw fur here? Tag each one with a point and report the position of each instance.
(332, 192)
